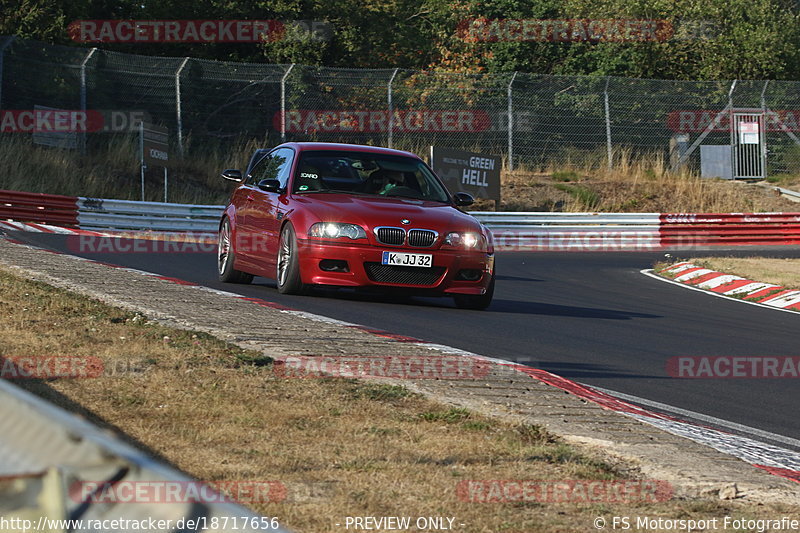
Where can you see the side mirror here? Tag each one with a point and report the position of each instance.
(233, 175)
(463, 199)
(270, 185)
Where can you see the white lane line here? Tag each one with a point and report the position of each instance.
(649, 272)
(668, 409)
(752, 451)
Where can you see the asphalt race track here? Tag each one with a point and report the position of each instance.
(590, 317)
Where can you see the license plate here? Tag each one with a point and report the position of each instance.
(404, 259)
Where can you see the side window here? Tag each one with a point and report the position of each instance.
(251, 178)
(284, 158)
(275, 166)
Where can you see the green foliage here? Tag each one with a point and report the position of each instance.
(565, 175)
(717, 39)
(452, 415)
(379, 392)
(587, 197)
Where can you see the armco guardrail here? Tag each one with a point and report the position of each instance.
(511, 230)
(98, 213)
(791, 195)
(710, 229)
(41, 208)
(572, 231)
(51, 455)
(95, 213)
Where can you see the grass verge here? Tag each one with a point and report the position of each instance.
(342, 447)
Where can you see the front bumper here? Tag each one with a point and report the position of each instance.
(363, 262)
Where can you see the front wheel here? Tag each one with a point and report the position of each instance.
(475, 301)
(225, 257)
(288, 268)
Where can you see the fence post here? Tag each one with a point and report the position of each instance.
(511, 123)
(6, 44)
(178, 107)
(608, 127)
(732, 127)
(83, 93)
(283, 102)
(763, 134)
(391, 109)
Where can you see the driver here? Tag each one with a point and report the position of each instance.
(390, 180)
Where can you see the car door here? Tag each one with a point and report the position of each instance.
(265, 209)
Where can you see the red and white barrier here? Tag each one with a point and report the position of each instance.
(40, 208)
(512, 231)
(710, 229)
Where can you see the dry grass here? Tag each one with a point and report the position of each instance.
(579, 182)
(635, 184)
(112, 170)
(342, 448)
(783, 272)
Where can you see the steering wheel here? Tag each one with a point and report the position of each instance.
(402, 190)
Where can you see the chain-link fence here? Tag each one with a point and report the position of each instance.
(527, 118)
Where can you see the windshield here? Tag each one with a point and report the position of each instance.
(366, 173)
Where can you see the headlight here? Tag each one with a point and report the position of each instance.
(336, 230)
(466, 240)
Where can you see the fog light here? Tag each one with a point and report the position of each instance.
(469, 274)
(334, 265)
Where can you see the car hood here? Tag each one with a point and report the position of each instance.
(373, 211)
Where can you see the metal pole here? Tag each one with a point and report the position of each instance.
(165, 184)
(141, 155)
(391, 107)
(6, 44)
(608, 127)
(283, 102)
(83, 93)
(762, 135)
(732, 127)
(178, 110)
(511, 124)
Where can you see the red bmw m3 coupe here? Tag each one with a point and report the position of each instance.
(313, 214)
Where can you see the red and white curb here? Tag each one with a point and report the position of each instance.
(11, 225)
(773, 459)
(173, 236)
(731, 286)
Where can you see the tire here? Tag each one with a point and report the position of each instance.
(225, 257)
(287, 273)
(476, 301)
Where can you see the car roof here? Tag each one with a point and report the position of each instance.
(343, 147)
